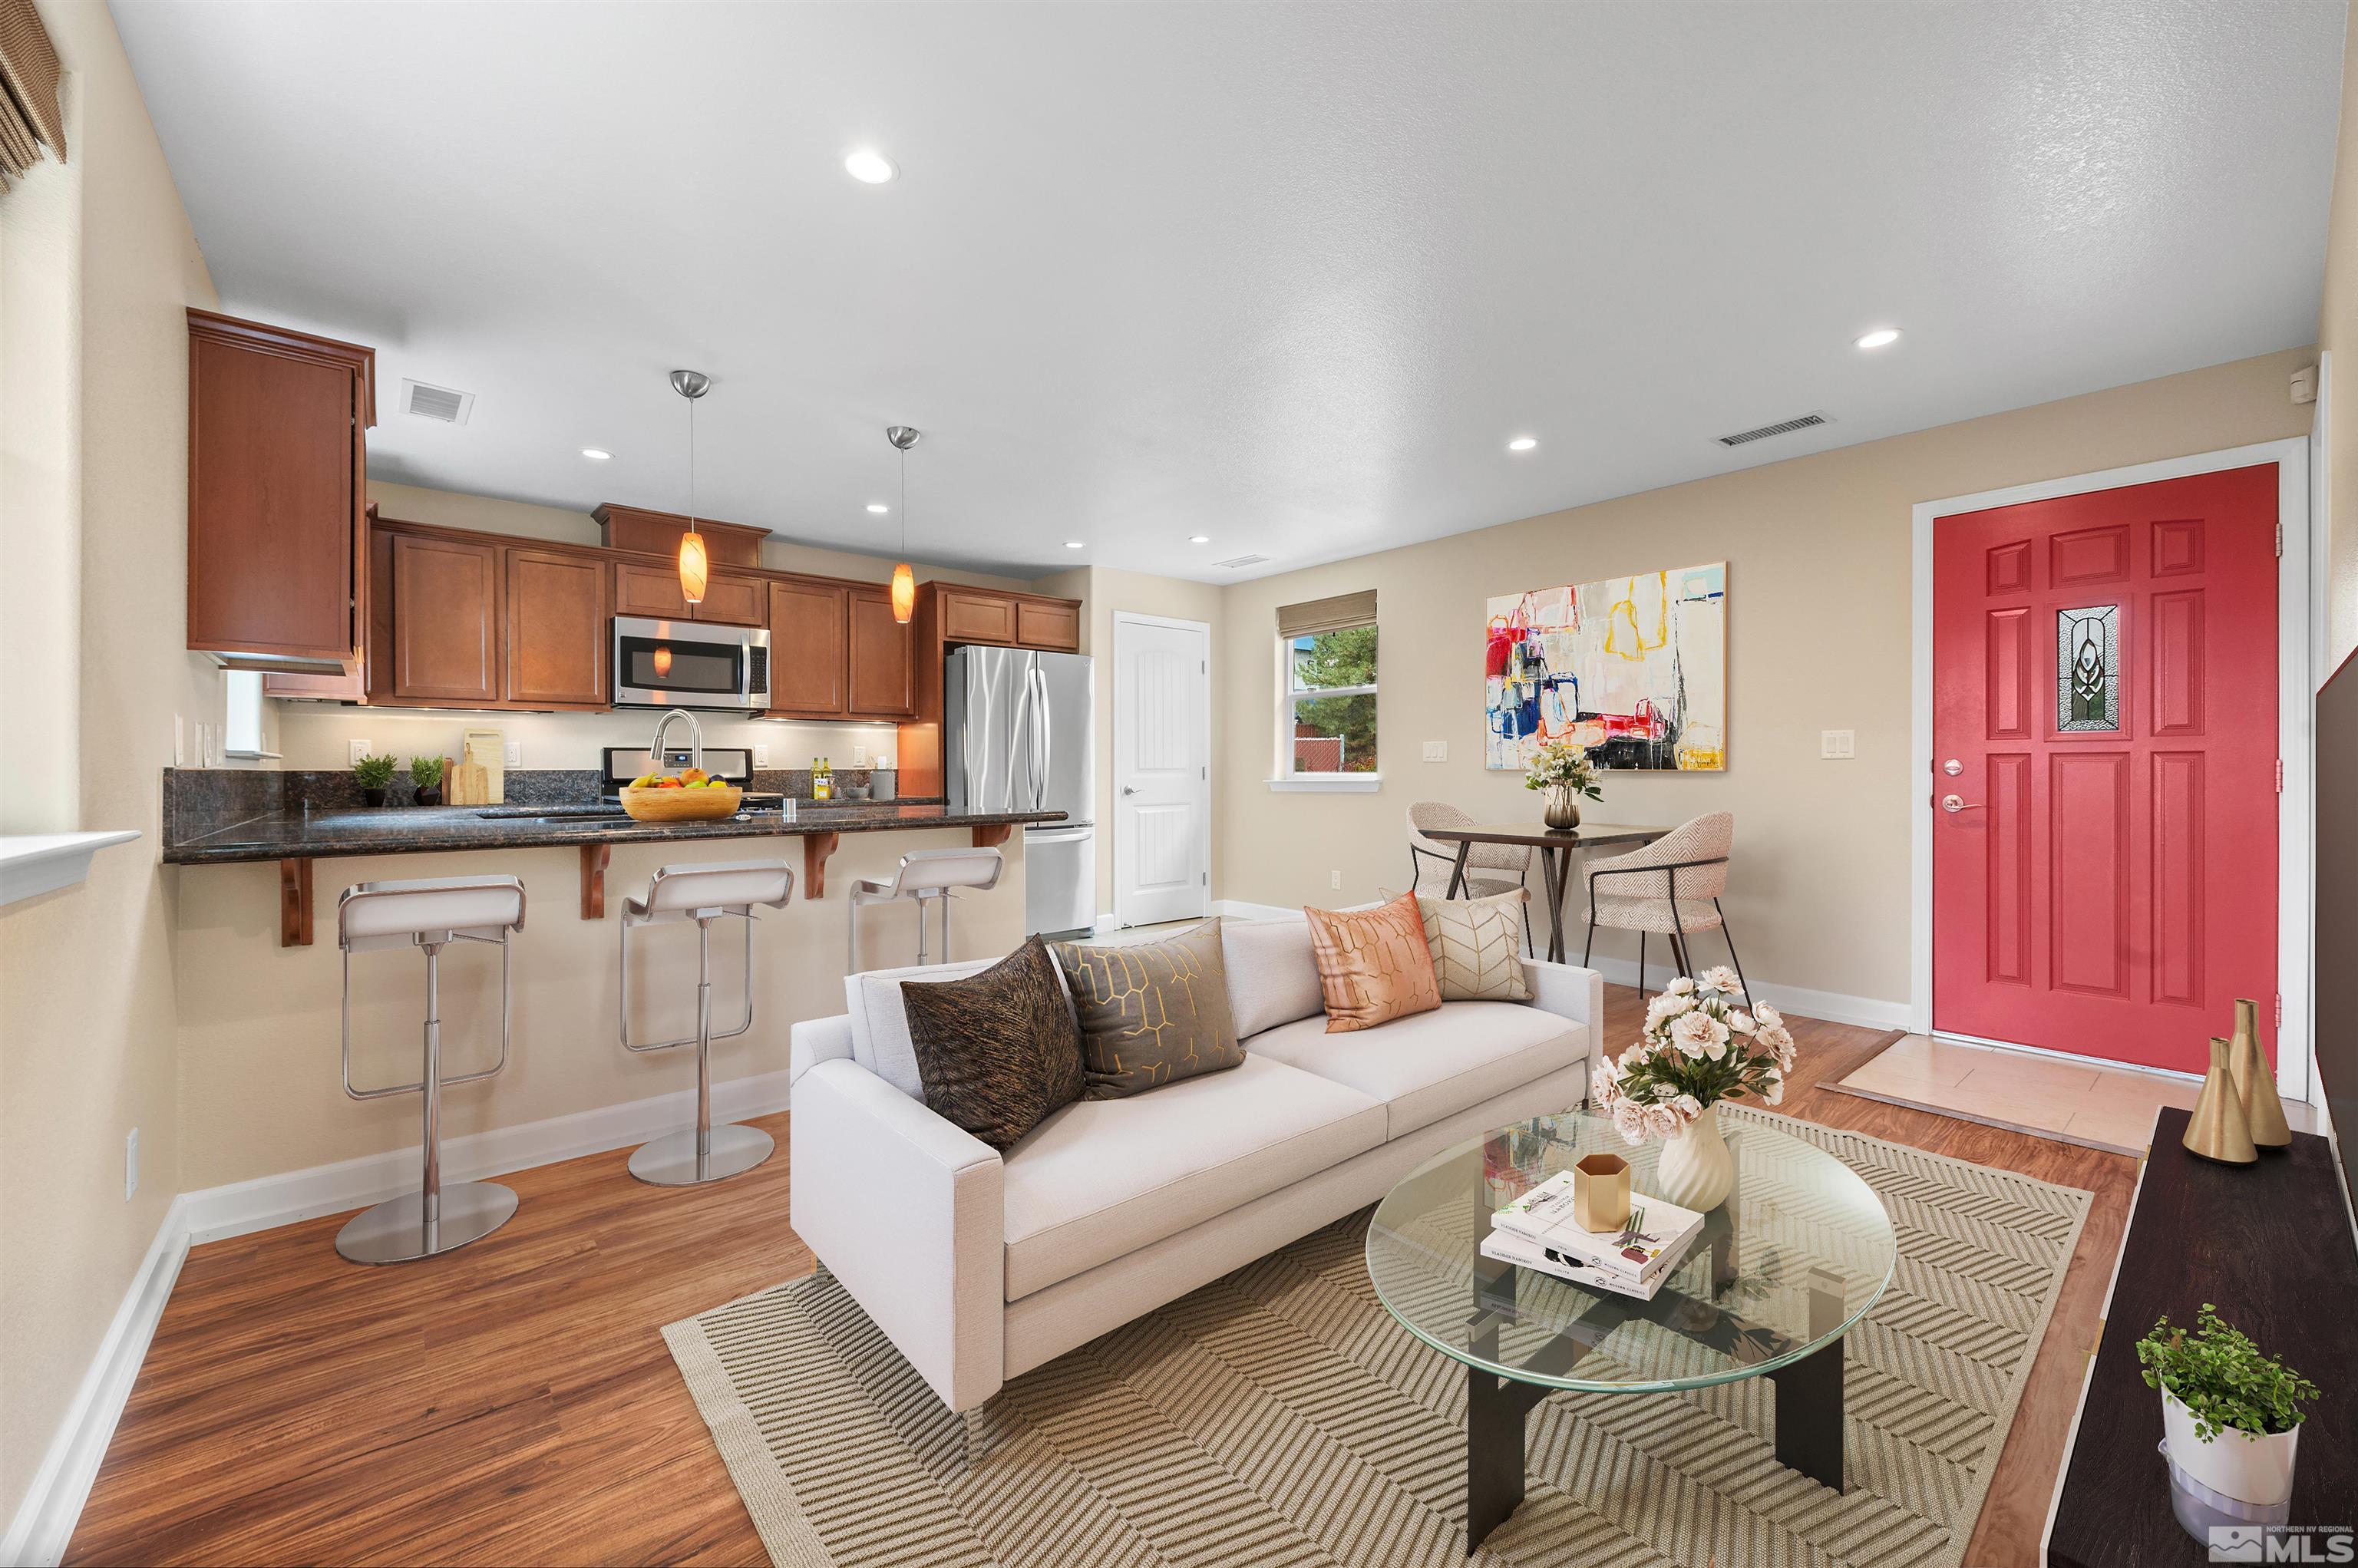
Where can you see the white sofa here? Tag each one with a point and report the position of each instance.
(981, 1266)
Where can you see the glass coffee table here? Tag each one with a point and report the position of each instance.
(1797, 1253)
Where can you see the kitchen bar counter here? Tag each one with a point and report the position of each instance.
(296, 838)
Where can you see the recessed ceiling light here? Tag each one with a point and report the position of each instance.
(870, 168)
(1072, 544)
(1522, 443)
(1881, 338)
(595, 455)
(1199, 538)
(878, 507)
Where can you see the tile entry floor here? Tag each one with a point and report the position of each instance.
(2052, 1096)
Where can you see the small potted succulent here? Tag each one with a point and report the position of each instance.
(425, 772)
(1564, 770)
(374, 773)
(2230, 1416)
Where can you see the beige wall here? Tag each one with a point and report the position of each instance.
(1105, 591)
(2337, 333)
(87, 1018)
(1818, 553)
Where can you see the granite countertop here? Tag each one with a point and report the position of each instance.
(402, 830)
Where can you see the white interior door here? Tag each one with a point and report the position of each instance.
(1161, 769)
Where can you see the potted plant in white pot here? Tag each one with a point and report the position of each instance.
(2231, 1415)
(1699, 1048)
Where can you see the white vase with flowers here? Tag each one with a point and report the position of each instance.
(1701, 1047)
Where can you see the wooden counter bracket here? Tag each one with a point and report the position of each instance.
(294, 903)
(816, 847)
(593, 880)
(992, 835)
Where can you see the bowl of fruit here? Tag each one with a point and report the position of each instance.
(691, 797)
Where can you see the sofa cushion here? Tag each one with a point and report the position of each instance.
(1273, 976)
(1432, 1064)
(1104, 1177)
(998, 1050)
(1373, 965)
(1151, 1013)
(879, 1023)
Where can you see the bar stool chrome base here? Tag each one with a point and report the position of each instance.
(672, 1161)
(396, 1231)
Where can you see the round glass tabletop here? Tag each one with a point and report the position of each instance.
(1797, 1253)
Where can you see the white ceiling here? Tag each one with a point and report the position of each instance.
(1287, 276)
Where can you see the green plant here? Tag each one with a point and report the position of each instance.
(425, 772)
(2221, 1379)
(375, 772)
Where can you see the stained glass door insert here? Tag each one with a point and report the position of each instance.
(2088, 669)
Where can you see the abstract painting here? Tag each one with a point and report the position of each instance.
(1634, 668)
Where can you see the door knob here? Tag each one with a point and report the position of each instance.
(1128, 789)
(1953, 804)
(1952, 767)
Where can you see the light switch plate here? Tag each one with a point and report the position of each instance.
(1838, 743)
(1334, 879)
(131, 1166)
(358, 748)
(1437, 751)
(513, 754)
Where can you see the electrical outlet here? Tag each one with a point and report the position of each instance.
(760, 756)
(358, 748)
(513, 754)
(860, 756)
(1437, 751)
(1334, 879)
(1841, 744)
(130, 1164)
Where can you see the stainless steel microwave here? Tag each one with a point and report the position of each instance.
(690, 663)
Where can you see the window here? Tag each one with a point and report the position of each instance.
(1326, 712)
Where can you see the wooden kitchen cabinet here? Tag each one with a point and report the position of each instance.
(1052, 625)
(808, 649)
(556, 619)
(881, 678)
(1007, 620)
(277, 494)
(734, 600)
(446, 620)
(976, 615)
(653, 590)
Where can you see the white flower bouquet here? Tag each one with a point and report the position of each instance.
(1560, 764)
(1699, 1048)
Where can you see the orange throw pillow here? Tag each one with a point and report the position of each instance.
(1374, 964)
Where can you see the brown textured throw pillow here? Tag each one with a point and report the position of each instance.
(1151, 1012)
(998, 1050)
(1373, 964)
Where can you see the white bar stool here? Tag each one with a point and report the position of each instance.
(429, 912)
(704, 894)
(926, 875)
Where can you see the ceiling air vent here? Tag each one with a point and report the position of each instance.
(436, 402)
(1783, 428)
(1239, 563)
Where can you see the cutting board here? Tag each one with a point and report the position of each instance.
(471, 784)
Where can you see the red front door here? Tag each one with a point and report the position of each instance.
(2104, 793)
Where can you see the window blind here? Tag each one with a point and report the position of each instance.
(1327, 614)
(28, 92)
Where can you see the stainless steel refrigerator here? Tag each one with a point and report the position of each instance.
(1017, 736)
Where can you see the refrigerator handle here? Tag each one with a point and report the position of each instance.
(978, 691)
(1017, 738)
(1040, 779)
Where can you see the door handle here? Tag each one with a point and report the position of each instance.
(1129, 789)
(1952, 804)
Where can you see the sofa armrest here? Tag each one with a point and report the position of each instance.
(1569, 991)
(907, 1212)
(817, 1039)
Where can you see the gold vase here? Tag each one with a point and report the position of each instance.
(2255, 1086)
(2217, 1131)
(1600, 1192)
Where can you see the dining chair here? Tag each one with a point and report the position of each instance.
(1671, 887)
(1491, 857)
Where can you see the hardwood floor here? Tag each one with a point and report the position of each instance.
(513, 1402)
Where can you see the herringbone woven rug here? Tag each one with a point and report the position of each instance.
(1280, 1416)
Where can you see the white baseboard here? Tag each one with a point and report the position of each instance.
(46, 1518)
(266, 1201)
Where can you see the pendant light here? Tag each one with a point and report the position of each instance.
(695, 561)
(904, 581)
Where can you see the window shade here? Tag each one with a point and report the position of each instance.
(1327, 614)
(28, 92)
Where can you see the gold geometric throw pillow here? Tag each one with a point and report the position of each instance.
(1374, 964)
(1151, 1012)
(1478, 947)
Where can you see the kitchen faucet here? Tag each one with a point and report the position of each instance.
(695, 738)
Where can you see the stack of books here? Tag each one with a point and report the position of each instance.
(1536, 1231)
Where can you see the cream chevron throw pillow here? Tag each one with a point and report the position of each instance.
(1478, 947)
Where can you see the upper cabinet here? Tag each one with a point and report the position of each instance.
(649, 590)
(464, 620)
(556, 627)
(882, 667)
(734, 600)
(1007, 620)
(277, 494)
(976, 615)
(446, 620)
(808, 650)
(651, 587)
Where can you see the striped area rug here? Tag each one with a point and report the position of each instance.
(1280, 1416)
